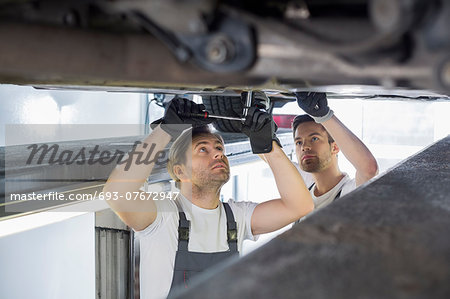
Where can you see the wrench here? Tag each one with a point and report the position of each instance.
(206, 114)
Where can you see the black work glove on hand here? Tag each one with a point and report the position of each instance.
(260, 128)
(177, 117)
(315, 104)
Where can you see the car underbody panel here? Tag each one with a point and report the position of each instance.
(204, 45)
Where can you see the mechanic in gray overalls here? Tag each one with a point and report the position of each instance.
(184, 234)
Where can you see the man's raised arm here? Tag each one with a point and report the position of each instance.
(295, 201)
(353, 149)
(127, 178)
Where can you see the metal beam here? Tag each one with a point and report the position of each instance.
(32, 54)
(18, 177)
(61, 56)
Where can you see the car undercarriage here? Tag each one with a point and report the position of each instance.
(205, 45)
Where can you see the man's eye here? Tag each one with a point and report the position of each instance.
(219, 148)
(202, 149)
(314, 139)
(298, 143)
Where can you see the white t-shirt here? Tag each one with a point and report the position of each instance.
(346, 184)
(159, 241)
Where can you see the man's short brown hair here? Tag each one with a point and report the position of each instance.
(180, 147)
(299, 119)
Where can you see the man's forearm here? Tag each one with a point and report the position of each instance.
(295, 201)
(293, 191)
(353, 149)
(130, 176)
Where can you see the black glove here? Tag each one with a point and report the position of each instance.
(315, 104)
(177, 117)
(260, 128)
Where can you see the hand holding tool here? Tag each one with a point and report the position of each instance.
(260, 128)
(174, 123)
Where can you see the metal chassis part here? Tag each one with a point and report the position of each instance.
(58, 55)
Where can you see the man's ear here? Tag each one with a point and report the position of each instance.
(334, 148)
(180, 172)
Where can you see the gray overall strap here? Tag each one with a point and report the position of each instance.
(184, 225)
(231, 228)
(183, 232)
(338, 195)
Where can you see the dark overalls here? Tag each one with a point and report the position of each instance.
(188, 264)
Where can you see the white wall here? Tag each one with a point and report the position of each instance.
(27, 105)
(56, 260)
